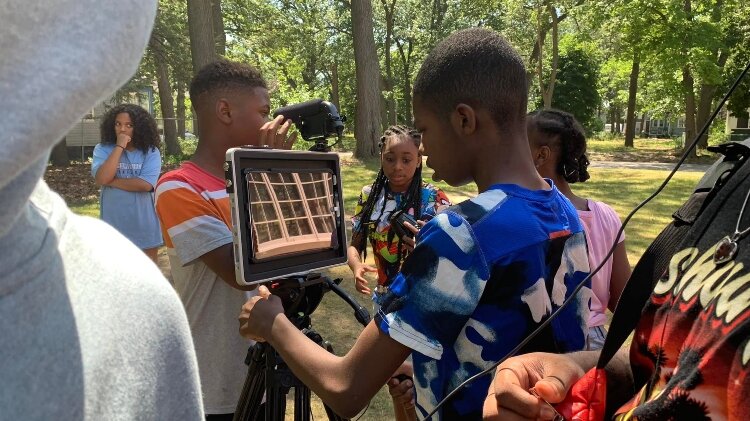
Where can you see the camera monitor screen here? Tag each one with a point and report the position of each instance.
(290, 212)
(286, 211)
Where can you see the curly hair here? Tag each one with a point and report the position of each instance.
(563, 130)
(224, 74)
(145, 134)
(476, 66)
(413, 197)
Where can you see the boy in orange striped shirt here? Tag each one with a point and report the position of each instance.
(232, 106)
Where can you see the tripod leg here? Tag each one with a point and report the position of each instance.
(275, 403)
(302, 408)
(249, 404)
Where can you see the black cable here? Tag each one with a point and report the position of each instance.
(609, 254)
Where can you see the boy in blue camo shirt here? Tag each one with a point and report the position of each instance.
(484, 274)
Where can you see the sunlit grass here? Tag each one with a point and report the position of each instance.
(617, 144)
(626, 188)
(87, 208)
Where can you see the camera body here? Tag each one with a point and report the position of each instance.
(397, 221)
(316, 120)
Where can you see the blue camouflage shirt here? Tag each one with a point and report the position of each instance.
(484, 274)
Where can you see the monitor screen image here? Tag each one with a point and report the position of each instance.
(290, 212)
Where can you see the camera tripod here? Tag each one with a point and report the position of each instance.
(268, 373)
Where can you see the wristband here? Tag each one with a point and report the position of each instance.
(123, 148)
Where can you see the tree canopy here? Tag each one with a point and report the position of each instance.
(609, 61)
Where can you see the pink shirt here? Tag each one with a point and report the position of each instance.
(601, 224)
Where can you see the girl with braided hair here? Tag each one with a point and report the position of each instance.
(398, 186)
(126, 165)
(558, 146)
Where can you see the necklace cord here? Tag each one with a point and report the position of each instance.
(737, 233)
(573, 295)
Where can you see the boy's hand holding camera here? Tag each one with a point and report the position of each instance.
(274, 134)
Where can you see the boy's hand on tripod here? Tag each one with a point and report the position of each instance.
(258, 314)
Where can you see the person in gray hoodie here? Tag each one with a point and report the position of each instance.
(89, 328)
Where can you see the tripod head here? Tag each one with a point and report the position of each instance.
(301, 295)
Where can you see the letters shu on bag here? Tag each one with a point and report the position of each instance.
(586, 400)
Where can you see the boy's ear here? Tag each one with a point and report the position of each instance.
(464, 119)
(223, 111)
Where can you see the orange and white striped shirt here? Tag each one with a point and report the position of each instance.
(193, 207)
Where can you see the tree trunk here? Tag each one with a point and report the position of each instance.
(540, 47)
(707, 91)
(368, 78)
(705, 100)
(632, 92)
(390, 101)
(407, 97)
(643, 125)
(167, 107)
(335, 86)
(406, 78)
(59, 156)
(220, 39)
(688, 89)
(550, 90)
(180, 108)
(202, 42)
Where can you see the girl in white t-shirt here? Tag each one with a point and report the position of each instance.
(558, 145)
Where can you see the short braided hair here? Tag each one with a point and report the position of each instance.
(562, 129)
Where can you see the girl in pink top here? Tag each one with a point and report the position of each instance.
(558, 145)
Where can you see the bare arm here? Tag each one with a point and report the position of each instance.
(345, 383)
(352, 257)
(620, 275)
(130, 184)
(221, 261)
(107, 171)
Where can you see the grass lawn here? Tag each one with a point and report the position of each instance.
(644, 150)
(621, 188)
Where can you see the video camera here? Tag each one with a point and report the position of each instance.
(316, 120)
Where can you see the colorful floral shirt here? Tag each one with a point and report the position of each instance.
(385, 253)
